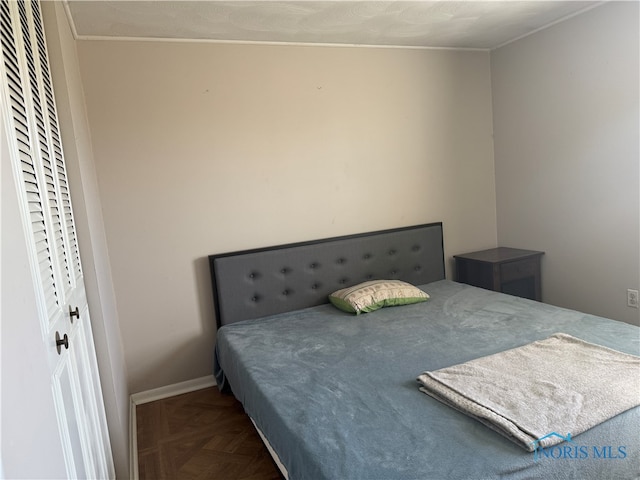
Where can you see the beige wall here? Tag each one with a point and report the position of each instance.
(207, 148)
(566, 119)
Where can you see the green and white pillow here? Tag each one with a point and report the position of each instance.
(373, 295)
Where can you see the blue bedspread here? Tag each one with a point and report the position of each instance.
(337, 398)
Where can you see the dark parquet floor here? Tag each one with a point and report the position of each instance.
(200, 435)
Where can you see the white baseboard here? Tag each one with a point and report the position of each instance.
(133, 441)
(151, 396)
(173, 390)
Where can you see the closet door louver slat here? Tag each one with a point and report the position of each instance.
(67, 221)
(22, 131)
(33, 134)
(50, 191)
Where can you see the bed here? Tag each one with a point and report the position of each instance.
(335, 395)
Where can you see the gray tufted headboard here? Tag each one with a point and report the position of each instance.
(259, 282)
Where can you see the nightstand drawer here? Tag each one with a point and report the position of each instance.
(517, 270)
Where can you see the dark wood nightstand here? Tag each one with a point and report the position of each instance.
(502, 269)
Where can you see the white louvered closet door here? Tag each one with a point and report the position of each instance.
(28, 106)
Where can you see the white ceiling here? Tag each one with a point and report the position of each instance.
(444, 23)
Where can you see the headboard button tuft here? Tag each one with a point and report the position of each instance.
(257, 283)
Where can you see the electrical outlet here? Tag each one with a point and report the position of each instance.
(632, 298)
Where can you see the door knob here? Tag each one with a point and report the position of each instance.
(74, 313)
(61, 341)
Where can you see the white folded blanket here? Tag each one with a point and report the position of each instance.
(560, 385)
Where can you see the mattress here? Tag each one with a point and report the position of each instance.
(336, 394)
